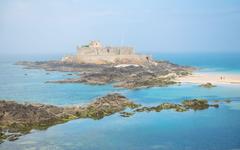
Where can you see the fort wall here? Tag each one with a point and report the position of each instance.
(105, 51)
(97, 54)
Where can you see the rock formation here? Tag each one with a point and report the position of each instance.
(159, 73)
(207, 85)
(17, 119)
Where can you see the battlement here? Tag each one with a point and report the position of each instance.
(96, 48)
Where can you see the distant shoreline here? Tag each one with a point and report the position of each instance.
(217, 78)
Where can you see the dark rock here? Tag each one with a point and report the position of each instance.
(151, 82)
(219, 101)
(157, 73)
(228, 101)
(181, 109)
(17, 119)
(214, 105)
(126, 114)
(106, 106)
(21, 118)
(143, 109)
(207, 85)
(14, 137)
(195, 104)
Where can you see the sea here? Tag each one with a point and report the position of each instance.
(210, 129)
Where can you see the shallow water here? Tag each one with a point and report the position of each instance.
(213, 129)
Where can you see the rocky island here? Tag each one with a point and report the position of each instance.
(95, 64)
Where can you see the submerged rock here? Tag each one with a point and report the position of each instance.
(226, 101)
(126, 114)
(14, 137)
(207, 85)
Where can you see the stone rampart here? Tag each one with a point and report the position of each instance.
(95, 53)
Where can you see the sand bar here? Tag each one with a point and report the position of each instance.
(214, 78)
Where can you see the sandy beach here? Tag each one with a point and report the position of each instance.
(214, 78)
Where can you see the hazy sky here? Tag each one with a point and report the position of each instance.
(58, 26)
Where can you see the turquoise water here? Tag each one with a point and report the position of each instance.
(213, 129)
(164, 131)
(223, 62)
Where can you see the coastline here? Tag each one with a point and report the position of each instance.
(216, 78)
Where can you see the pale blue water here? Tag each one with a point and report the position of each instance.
(223, 62)
(213, 129)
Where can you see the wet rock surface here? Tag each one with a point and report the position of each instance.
(156, 73)
(126, 114)
(207, 85)
(223, 101)
(186, 105)
(18, 119)
(105, 106)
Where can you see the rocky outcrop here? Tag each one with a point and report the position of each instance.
(207, 85)
(197, 104)
(17, 119)
(62, 66)
(103, 106)
(186, 105)
(146, 83)
(160, 73)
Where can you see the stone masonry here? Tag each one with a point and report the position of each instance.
(95, 53)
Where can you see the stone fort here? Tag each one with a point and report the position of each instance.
(96, 53)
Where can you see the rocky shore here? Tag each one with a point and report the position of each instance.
(18, 119)
(131, 76)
